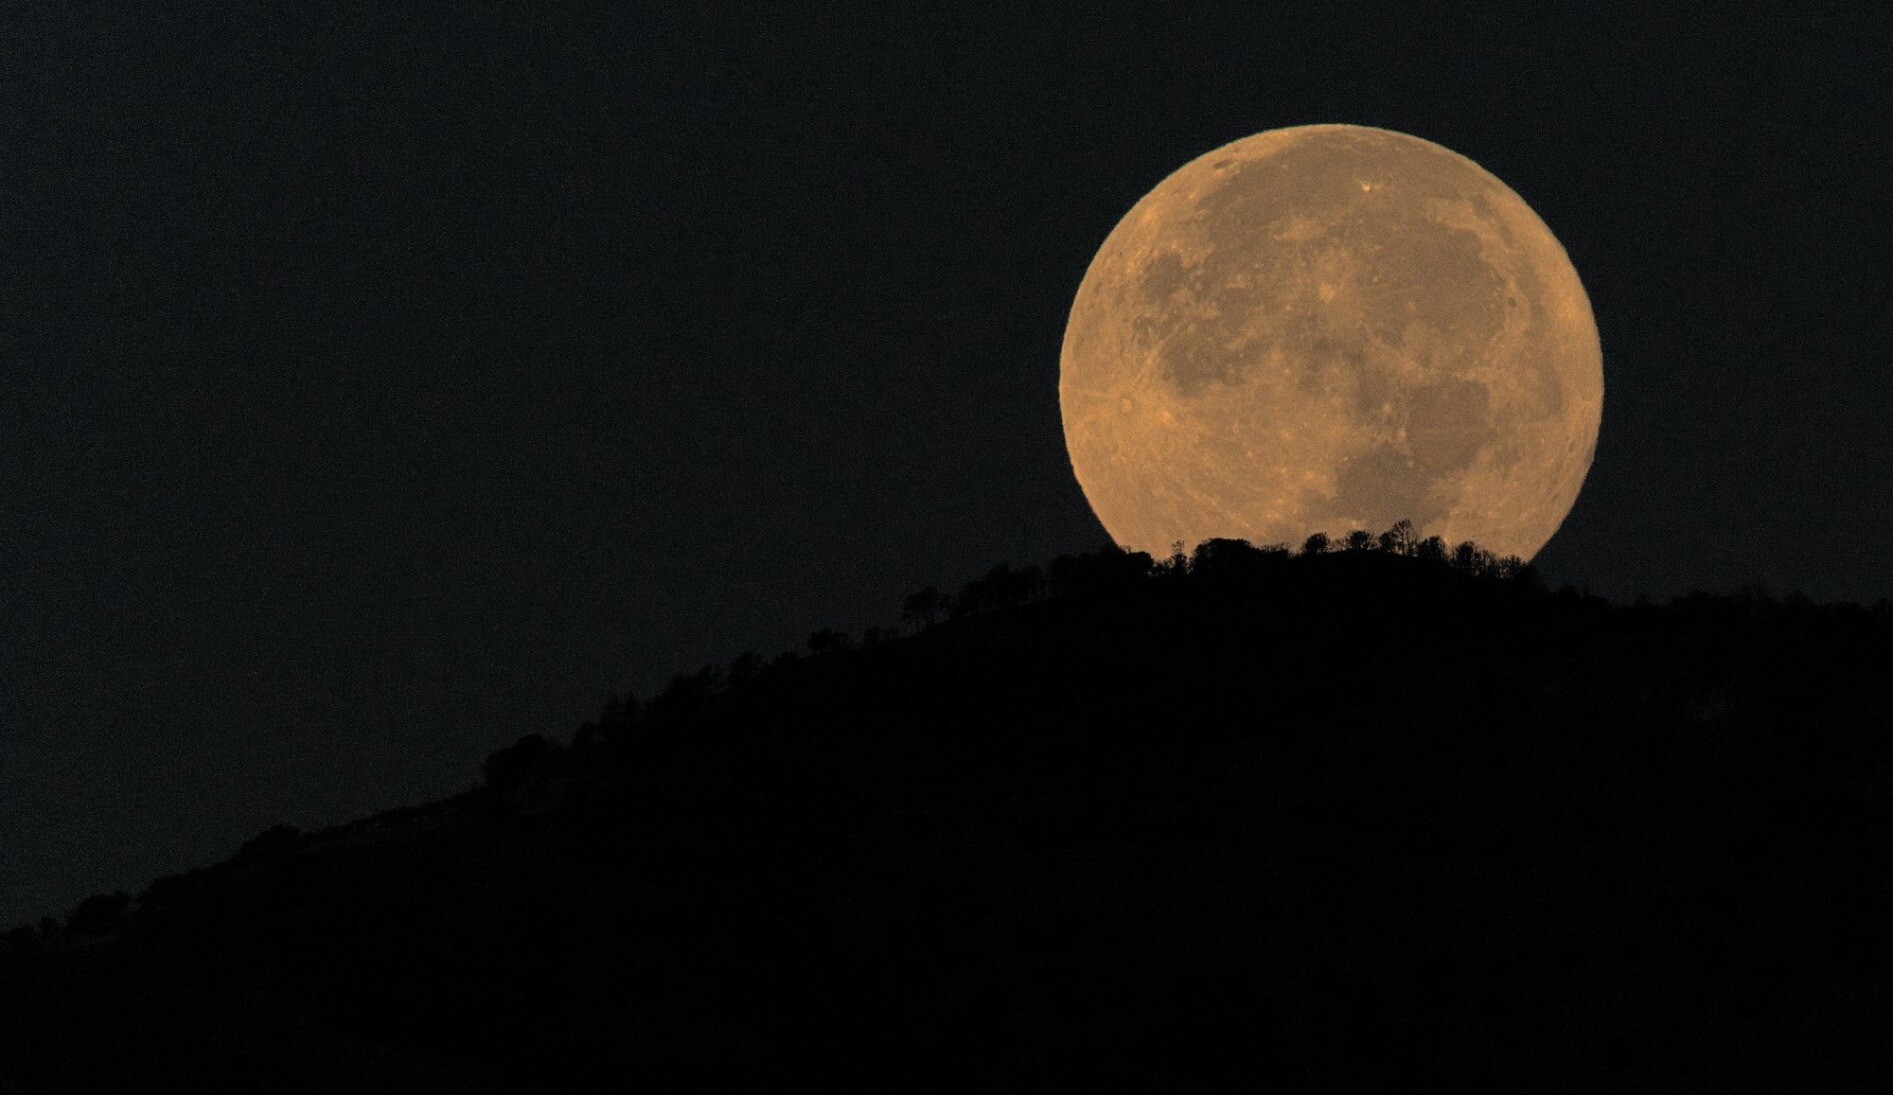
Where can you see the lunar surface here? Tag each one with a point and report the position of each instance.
(1330, 328)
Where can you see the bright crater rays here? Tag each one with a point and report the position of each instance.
(1328, 328)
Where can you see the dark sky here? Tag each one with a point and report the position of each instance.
(384, 381)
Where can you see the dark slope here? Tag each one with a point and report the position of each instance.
(1348, 820)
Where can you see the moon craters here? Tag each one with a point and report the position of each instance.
(1324, 328)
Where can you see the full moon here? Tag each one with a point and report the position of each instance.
(1328, 328)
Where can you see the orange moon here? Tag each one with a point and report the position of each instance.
(1327, 328)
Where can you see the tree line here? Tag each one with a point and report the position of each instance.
(534, 768)
(1221, 561)
(519, 770)
(1221, 558)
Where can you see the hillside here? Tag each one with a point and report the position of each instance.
(1327, 821)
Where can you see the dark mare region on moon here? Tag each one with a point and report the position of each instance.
(1328, 328)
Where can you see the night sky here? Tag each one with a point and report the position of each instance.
(377, 385)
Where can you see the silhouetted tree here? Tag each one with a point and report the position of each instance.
(687, 692)
(98, 914)
(162, 889)
(1067, 575)
(743, 671)
(1111, 568)
(923, 607)
(1361, 540)
(1218, 549)
(975, 596)
(1227, 559)
(1176, 566)
(1030, 584)
(512, 766)
(274, 843)
(1470, 558)
(614, 722)
(827, 641)
(1431, 550)
(1517, 571)
(1316, 544)
(1398, 540)
(1002, 587)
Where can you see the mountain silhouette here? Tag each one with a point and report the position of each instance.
(1386, 817)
